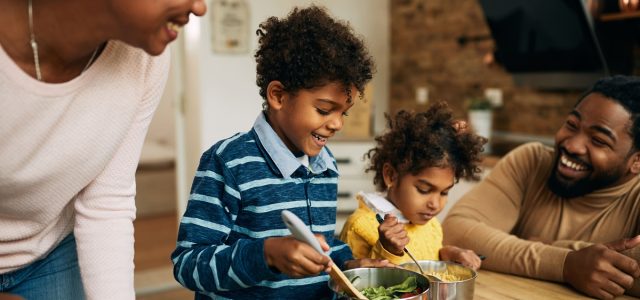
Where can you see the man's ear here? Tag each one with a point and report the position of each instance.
(635, 163)
(275, 95)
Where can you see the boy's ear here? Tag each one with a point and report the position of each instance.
(635, 163)
(275, 94)
(389, 175)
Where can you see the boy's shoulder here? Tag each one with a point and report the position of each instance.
(241, 144)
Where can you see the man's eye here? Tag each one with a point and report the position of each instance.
(571, 125)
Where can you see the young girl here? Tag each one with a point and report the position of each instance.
(416, 162)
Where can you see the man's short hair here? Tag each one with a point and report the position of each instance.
(626, 91)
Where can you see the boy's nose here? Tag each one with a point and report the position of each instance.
(336, 123)
(199, 8)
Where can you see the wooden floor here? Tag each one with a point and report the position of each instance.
(155, 240)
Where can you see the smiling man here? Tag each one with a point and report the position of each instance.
(568, 214)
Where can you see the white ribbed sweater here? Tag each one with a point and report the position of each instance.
(68, 155)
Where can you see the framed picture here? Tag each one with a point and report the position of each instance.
(230, 26)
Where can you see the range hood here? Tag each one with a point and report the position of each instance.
(549, 44)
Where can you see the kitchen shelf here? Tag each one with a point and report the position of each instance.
(619, 16)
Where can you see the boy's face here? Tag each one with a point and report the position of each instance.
(306, 120)
(593, 148)
(422, 196)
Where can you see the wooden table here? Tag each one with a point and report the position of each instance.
(492, 286)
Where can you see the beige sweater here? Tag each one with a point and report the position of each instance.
(68, 155)
(512, 205)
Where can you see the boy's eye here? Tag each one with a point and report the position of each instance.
(322, 112)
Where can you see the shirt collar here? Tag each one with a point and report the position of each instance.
(282, 157)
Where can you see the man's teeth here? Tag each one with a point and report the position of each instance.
(173, 26)
(319, 138)
(578, 167)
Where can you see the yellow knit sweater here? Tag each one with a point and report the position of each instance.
(360, 232)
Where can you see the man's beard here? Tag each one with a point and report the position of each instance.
(583, 186)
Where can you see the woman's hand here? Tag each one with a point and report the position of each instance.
(296, 258)
(392, 235)
(368, 263)
(465, 257)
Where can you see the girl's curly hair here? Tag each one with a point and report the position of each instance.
(415, 141)
(309, 49)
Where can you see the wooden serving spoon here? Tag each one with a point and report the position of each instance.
(303, 234)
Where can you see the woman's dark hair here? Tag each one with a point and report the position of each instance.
(626, 91)
(415, 141)
(309, 49)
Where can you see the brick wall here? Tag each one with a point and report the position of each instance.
(425, 52)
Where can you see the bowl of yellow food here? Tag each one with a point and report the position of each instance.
(449, 280)
(385, 283)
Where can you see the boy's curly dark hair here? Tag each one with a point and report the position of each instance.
(415, 141)
(310, 49)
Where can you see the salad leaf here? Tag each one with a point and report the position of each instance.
(381, 293)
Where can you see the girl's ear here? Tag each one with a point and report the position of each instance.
(275, 95)
(635, 163)
(389, 175)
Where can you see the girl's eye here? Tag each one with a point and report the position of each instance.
(322, 112)
(346, 114)
(421, 191)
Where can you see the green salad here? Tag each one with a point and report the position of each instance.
(408, 288)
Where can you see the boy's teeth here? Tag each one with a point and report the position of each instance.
(173, 26)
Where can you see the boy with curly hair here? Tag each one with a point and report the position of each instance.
(416, 162)
(232, 242)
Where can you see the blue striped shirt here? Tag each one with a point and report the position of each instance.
(241, 186)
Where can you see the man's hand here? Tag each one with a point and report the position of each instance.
(601, 270)
(465, 257)
(392, 235)
(295, 258)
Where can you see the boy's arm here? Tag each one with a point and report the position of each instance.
(202, 260)
(340, 251)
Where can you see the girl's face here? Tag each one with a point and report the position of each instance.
(307, 119)
(152, 24)
(422, 196)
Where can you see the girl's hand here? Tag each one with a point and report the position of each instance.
(464, 257)
(296, 258)
(392, 235)
(368, 263)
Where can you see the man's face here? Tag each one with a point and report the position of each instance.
(593, 148)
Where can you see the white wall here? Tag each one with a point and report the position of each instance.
(229, 96)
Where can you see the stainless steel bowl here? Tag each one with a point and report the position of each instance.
(374, 277)
(460, 288)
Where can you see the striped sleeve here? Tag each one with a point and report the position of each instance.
(202, 261)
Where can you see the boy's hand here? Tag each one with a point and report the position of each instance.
(296, 258)
(392, 235)
(465, 257)
(368, 263)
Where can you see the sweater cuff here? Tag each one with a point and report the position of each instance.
(256, 268)
(552, 263)
(379, 252)
(573, 245)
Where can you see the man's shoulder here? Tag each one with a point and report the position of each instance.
(533, 153)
